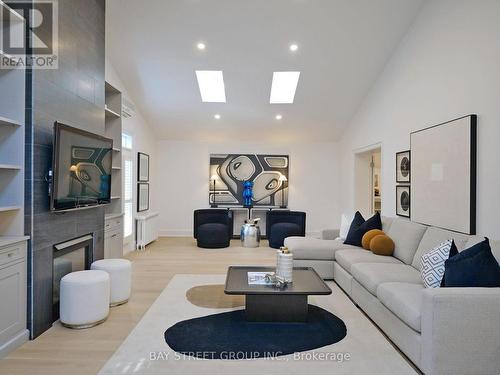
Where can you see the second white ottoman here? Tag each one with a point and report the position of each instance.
(120, 274)
(84, 299)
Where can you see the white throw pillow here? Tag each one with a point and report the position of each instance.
(432, 264)
(345, 224)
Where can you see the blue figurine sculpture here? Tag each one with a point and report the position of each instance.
(247, 193)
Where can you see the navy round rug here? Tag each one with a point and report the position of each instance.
(229, 336)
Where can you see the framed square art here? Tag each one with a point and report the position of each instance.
(403, 167)
(142, 197)
(403, 200)
(142, 167)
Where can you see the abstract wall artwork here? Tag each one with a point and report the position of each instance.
(403, 201)
(443, 168)
(233, 170)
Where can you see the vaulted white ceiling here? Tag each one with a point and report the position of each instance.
(343, 47)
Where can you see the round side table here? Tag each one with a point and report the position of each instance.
(250, 235)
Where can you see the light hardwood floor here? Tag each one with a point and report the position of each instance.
(62, 351)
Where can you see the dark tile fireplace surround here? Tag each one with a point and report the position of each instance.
(70, 256)
(72, 94)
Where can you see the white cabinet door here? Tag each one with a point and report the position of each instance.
(113, 244)
(12, 301)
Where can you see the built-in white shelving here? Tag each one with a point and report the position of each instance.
(11, 166)
(13, 242)
(113, 121)
(7, 122)
(10, 208)
(12, 109)
(111, 113)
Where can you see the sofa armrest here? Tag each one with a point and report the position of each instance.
(460, 331)
(329, 234)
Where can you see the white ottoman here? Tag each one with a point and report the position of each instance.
(120, 274)
(84, 299)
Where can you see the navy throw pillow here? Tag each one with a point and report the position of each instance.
(473, 267)
(453, 252)
(359, 227)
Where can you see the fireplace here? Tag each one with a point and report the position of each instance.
(69, 256)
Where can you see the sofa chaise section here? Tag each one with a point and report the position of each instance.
(316, 253)
(443, 330)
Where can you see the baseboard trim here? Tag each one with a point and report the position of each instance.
(14, 343)
(189, 233)
(175, 233)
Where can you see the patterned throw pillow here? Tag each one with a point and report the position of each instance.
(432, 264)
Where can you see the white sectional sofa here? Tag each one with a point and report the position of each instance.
(442, 331)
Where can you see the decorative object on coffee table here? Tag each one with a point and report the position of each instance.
(403, 167)
(284, 264)
(142, 167)
(403, 201)
(264, 303)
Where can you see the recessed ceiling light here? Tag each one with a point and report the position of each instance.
(293, 47)
(211, 84)
(278, 117)
(201, 46)
(283, 87)
(217, 116)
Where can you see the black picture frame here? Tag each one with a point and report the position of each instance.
(141, 156)
(398, 197)
(404, 180)
(140, 191)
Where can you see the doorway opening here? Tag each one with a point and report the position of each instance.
(368, 180)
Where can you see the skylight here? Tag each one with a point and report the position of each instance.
(283, 87)
(211, 83)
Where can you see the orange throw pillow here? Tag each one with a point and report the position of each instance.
(367, 237)
(382, 245)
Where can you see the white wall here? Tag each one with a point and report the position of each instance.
(144, 140)
(447, 66)
(183, 181)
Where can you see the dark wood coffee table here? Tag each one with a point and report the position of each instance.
(266, 303)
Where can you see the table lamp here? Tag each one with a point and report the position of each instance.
(283, 179)
(213, 179)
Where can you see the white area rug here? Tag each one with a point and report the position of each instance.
(363, 351)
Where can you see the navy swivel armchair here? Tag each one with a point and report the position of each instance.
(283, 224)
(213, 228)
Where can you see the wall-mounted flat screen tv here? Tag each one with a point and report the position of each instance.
(82, 164)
